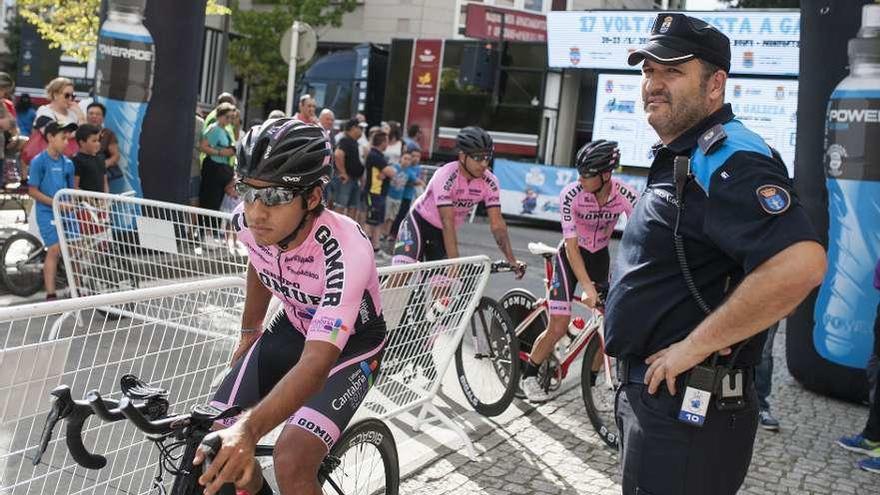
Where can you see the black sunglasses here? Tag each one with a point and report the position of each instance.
(69, 96)
(481, 157)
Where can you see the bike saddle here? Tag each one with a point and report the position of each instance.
(541, 249)
(134, 388)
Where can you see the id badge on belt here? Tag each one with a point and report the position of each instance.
(697, 395)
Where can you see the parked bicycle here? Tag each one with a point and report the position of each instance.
(350, 467)
(529, 316)
(24, 255)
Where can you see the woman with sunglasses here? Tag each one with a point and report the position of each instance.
(62, 106)
(590, 208)
(313, 365)
(429, 231)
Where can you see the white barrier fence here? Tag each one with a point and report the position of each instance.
(427, 307)
(113, 243)
(179, 338)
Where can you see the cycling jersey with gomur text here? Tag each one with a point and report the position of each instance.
(328, 285)
(449, 186)
(583, 218)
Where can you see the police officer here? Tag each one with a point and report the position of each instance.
(717, 249)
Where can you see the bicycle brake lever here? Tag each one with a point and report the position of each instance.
(51, 420)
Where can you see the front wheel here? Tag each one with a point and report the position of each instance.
(363, 461)
(23, 258)
(599, 392)
(487, 359)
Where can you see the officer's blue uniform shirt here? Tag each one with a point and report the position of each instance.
(740, 210)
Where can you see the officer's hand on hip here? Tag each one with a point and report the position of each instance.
(668, 363)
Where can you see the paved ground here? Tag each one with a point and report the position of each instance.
(551, 449)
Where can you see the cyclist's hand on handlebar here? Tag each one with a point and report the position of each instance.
(590, 296)
(519, 269)
(234, 463)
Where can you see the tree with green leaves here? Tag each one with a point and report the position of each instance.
(73, 25)
(763, 4)
(255, 54)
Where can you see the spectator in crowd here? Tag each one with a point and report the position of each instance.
(221, 99)
(95, 114)
(393, 204)
(868, 441)
(395, 144)
(379, 174)
(62, 106)
(217, 167)
(307, 108)
(63, 109)
(234, 125)
(195, 166)
(25, 114)
(51, 171)
(276, 114)
(414, 180)
(327, 121)
(764, 382)
(9, 141)
(89, 166)
(349, 170)
(413, 135)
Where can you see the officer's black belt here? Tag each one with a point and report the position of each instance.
(634, 371)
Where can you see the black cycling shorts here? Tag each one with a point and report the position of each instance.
(418, 240)
(563, 283)
(279, 348)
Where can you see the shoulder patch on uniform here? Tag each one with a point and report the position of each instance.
(711, 138)
(773, 199)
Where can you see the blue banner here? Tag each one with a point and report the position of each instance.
(531, 190)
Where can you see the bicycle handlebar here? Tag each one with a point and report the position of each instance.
(501, 266)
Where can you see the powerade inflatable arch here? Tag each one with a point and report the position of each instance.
(826, 28)
(148, 60)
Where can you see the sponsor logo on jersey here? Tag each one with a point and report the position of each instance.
(334, 276)
(360, 382)
(318, 430)
(302, 272)
(290, 290)
(302, 259)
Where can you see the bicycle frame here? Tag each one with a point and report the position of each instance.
(593, 328)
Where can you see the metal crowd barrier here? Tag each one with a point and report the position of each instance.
(114, 243)
(177, 337)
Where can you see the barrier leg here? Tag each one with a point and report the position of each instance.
(437, 413)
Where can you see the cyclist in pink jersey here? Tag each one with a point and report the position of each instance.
(590, 208)
(314, 364)
(429, 231)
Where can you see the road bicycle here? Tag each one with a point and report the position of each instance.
(527, 317)
(363, 461)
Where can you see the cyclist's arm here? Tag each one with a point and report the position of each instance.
(301, 383)
(576, 261)
(498, 227)
(450, 238)
(76, 180)
(256, 301)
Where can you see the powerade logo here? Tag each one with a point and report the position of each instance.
(847, 115)
(125, 52)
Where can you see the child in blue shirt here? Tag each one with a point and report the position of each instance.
(49, 172)
(413, 174)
